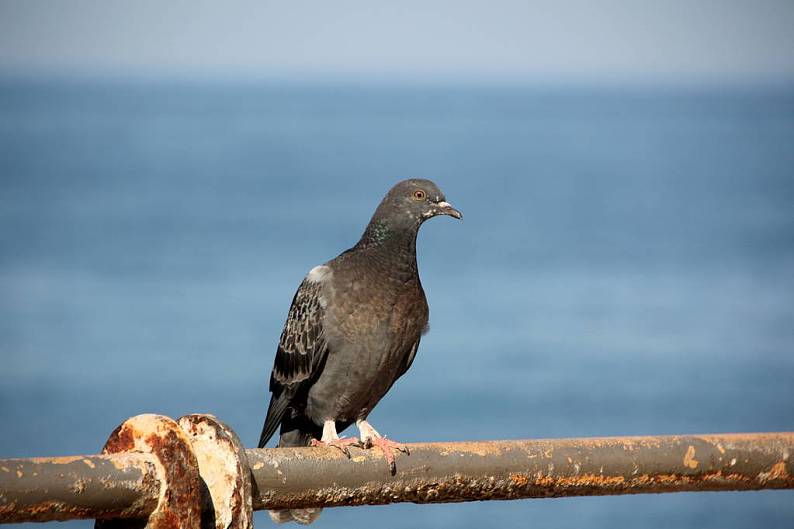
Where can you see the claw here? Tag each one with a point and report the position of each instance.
(371, 437)
(386, 446)
(341, 444)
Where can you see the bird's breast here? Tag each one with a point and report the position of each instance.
(370, 329)
(374, 314)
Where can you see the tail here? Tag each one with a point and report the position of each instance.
(301, 516)
(296, 430)
(275, 413)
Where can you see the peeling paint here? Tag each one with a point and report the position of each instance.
(56, 460)
(160, 463)
(31, 486)
(552, 468)
(179, 505)
(223, 468)
(689, 458)
(778, 471)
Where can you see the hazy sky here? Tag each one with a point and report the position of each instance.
(602, 40)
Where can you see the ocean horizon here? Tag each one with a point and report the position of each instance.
(625, 265)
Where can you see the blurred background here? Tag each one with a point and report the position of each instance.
(170, 171)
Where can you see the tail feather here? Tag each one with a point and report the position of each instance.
(275, 413)
(281, 516)
(296, 437)
(296, 431)
(301, 516)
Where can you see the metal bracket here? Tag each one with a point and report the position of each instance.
(223, 466)
(180, 495)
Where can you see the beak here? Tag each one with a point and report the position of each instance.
(445, 208)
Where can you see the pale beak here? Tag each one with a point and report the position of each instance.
(445, 208)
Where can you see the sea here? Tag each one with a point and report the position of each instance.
(625, 266)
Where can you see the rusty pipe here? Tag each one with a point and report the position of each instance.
(131, 485)
(63, 488)
(504, 470)
(153, 472)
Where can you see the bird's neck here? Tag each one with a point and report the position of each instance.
(392, 244)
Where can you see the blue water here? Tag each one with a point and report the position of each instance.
(625, 266)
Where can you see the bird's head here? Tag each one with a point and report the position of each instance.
(418, 200)
(404, 208)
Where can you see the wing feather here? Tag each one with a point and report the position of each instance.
(301, 352)
(409, 359)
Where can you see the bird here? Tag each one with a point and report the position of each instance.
(352, 330)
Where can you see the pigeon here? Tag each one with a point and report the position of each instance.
(352, 330)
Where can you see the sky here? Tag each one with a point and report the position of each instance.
(607, 40)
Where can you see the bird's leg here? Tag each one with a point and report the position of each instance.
(370, 437)
(331, 438)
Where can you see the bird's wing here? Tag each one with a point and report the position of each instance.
(302, 348)
(409, 359)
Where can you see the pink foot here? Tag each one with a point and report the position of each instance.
(386, 446)
(341, 443)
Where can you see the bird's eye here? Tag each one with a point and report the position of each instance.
(419, 195)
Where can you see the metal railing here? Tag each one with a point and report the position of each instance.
(194, 473)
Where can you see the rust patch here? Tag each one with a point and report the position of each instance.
(121, 440)
(478, 448)
(223, 466)
(55, 460)
(50, 510)
(582, 480)
(180, 495)
(541, 480)
(778, 471)
(666, 479)
(689, 458)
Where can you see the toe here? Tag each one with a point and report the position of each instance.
(386, 448)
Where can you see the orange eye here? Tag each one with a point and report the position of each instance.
(419, 195)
